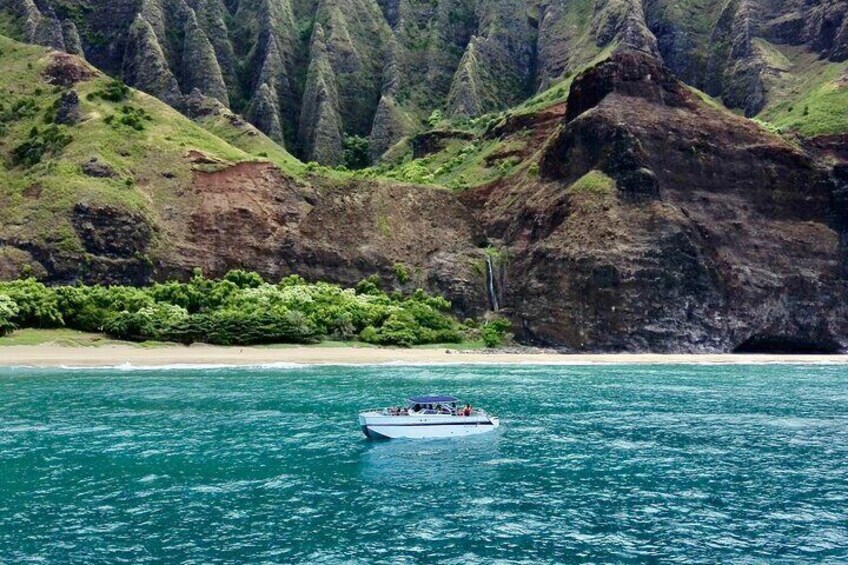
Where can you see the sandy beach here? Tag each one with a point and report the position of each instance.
(52, 355)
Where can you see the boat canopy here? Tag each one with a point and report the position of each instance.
(432, 399)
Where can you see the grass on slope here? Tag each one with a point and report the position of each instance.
(809, 97)
(144, 142)
(459, 165)
(593, 183)
(806, 95)
(252, 141)
(65, 337)
(61, 336)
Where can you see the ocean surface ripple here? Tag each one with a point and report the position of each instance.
(599, 464)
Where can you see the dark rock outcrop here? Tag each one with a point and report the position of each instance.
(96, 169)
(433, 141)
(629, 74)
(703, 240)
(65, 70)
(68, 112)
(111, 232)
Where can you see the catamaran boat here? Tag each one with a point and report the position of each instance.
(427, 417)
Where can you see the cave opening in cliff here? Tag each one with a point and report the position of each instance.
(787, 345)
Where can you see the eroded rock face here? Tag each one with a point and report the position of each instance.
(96, 169)
(719, 51)
(655, 222)
(117, 244)
(69, 111)
(252, 216)
(65, 70)
(321, 128)
(110, 231)
(497, 59)
(145, 64)
(702, 240)
(310, 72)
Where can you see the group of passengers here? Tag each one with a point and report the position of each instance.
(451, 410)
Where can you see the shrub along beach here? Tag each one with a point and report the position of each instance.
(91, 326)
(243, 309)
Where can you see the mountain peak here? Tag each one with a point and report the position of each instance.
(629, 73)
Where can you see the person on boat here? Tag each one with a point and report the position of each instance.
(467, 410)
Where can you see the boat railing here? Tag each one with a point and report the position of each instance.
(405, 412)
(383, 410)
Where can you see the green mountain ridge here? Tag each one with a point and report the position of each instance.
(311, 73)
(602, 204)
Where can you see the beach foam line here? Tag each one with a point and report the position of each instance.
(518, 363)
(127, 367)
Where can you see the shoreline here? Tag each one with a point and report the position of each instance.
(54, 356)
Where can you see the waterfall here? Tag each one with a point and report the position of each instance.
(490, 284)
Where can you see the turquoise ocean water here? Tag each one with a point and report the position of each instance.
(600, 464)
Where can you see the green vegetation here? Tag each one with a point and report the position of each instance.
(129, 116)
(240, 309)
(114, 91)
(35, 305)
(8, 312)
(251, 141)
(48, 141)
(494, 333)
(60, 336)
(556, 94)
(10, 26)
(356, 152)
(807, 95)
(593, 182)
(131, 133)
(461, 164)
(20, 109)
(402, 273)
(708, 100)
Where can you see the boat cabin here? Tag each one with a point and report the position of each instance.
(420, 405)
(432, 404)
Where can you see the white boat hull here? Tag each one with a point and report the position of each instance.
(377, 426)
